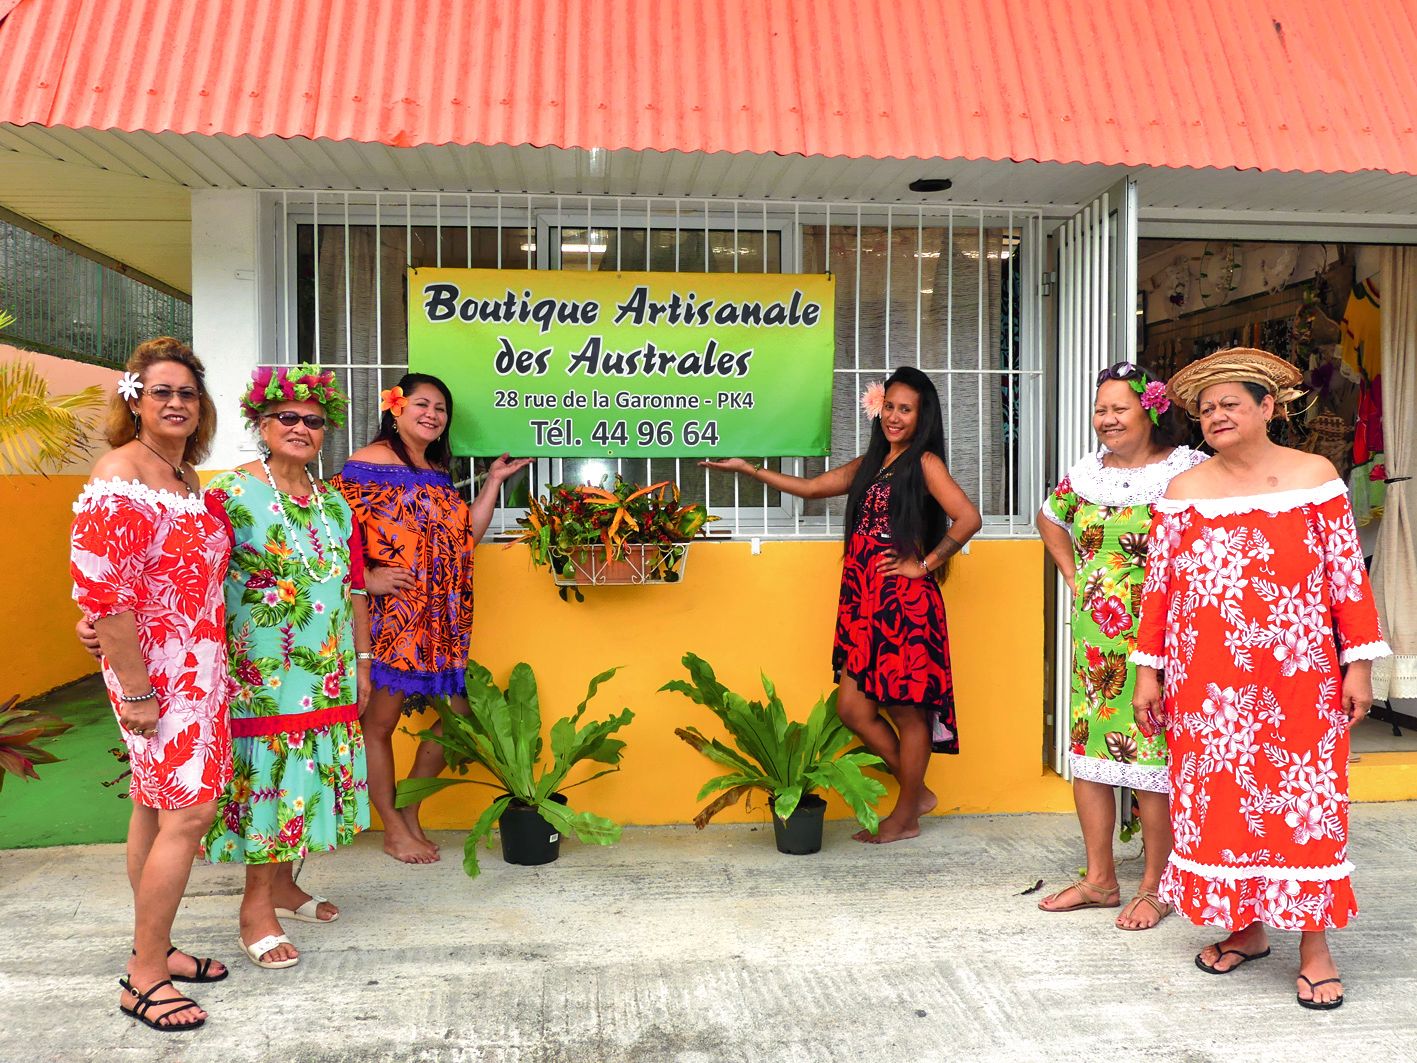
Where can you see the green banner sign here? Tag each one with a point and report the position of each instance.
(572, 364)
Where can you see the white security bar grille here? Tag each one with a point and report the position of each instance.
(953, 291)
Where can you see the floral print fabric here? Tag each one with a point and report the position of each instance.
(891, 635)
(416, 519)
(161, 556)
(299, 783)
(1107, 513)
(1241, 602)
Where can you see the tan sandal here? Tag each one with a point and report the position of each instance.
(1160, 907)
(1096, 897)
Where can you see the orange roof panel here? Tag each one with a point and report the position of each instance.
(1206, 83)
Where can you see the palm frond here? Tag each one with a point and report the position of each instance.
(40, 432)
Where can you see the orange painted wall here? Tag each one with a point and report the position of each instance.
(772, 612)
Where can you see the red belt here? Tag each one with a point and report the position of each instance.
(259, 726)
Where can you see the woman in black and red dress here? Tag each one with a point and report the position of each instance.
(905, 517)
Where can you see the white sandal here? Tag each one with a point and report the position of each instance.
(307, 912)
(268, 944)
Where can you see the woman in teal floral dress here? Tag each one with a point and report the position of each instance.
(1095, 528)
(296, 614)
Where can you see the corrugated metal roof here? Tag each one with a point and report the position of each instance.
(1295, 86)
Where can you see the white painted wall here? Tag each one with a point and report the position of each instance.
(229, 330)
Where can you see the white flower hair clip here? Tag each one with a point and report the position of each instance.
(873, 399)
(129, 386)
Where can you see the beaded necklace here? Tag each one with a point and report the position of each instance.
(318, 504)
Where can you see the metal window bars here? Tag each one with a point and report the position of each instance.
(953, 291)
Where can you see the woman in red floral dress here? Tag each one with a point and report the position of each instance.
(905, 517)
(1253, 566)
(148, 560)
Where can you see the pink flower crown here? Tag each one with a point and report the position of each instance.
(294, 383)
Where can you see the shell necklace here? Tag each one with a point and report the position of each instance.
(318, 504)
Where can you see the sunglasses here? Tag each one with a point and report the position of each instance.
(289, 418)
(163, 393)
(1120, 371)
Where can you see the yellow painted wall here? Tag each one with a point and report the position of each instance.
(773, 612)
(37, 614)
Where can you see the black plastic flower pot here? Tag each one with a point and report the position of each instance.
(526, 837)
(800, 834)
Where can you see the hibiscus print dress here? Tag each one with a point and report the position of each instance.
(299, 783)
(891, 635)
(1242, 602)
(1107, 512)
(161, 556)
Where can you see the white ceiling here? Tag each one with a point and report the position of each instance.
(126, 193)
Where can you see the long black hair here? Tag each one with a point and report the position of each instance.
(917, 521)
(440, 451)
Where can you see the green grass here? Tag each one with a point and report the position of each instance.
(68, 804)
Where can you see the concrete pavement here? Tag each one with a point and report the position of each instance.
(699, 947)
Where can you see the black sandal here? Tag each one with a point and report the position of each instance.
(1245, 957)
(1315, 1005)
(146, 1003)
(204, 968)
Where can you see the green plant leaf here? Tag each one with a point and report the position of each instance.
(479, 831)
(786, 802)
(722, 782)
(411, 791)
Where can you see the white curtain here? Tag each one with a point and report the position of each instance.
(1395, 558)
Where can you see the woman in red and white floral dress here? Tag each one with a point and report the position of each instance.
(148, 560)
(1253, 566)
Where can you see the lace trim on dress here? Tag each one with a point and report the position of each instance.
(1233, 873)
(368, 472)
(1271, 503)
(1156, 780)
(1104, 486)
(1146, 660)
(1046, 512)
(141, 492)
(1369, 651)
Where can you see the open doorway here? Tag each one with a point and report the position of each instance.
(1318, 305)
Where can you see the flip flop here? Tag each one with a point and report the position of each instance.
(1314, 1005)
(306, 913)
(1246, 957)
(1097, 897)
(255, 951)
(145, 1003)
(204, 969)
(1160, 907)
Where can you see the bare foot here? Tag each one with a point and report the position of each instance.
(894, 829)
(410, 817)
(1316, 965)
(128, 1001)
(258, 924)
(403, 846)
(928, 801)
(1251, 941)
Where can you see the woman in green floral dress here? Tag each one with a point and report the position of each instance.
(1095, 528)
(296, 614)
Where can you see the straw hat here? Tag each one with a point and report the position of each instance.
(1243, 364)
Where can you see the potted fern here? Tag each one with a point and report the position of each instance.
(788, 760)
(502, 734)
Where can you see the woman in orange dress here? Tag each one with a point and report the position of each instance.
(418, 535)
(1257, 615)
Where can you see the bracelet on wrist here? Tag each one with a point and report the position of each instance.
(133, 699)
(363, 656)
(359, 590)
